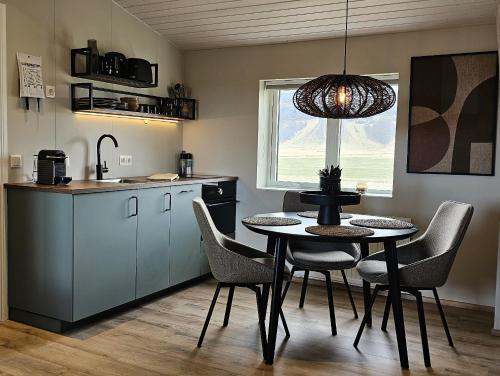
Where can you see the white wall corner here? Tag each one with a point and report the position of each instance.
(496, 325)
(3, 163)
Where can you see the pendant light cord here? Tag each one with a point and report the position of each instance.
(345, 34)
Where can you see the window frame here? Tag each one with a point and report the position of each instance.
(268, 131)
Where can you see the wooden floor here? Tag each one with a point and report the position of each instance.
(159, 338)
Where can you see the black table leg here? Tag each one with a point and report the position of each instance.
(279, 268)
(365, 252)
(271, 247)
(391, 259)
(271, 244)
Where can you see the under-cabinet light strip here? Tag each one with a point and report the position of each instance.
(127, 117)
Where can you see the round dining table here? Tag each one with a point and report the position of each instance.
(277, 242)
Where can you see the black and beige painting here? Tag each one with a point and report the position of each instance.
(453, 114)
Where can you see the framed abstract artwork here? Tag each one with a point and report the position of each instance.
(453, 114)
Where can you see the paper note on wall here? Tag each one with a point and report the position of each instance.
(30, 76)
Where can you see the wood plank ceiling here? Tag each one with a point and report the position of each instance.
(201, 24)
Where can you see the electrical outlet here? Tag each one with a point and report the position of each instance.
(16, 161)
(50, 91)
(125, 160)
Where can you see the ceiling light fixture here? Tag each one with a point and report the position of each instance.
(344, 96)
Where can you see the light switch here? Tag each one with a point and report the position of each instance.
(16, 161)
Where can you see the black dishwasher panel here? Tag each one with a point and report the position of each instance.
(220, 199)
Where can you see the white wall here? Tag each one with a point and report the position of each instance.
(51, 28)
(224, 139)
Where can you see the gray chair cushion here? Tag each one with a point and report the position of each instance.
(328, 260)
(374, 271)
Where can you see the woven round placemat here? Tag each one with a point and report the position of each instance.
(271, 221)
(314, 214)
(383, 223)
(340, 231)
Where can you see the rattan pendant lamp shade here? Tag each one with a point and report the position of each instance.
(344, 96)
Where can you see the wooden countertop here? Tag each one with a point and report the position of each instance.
(91, 186)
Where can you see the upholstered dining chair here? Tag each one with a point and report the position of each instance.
(320, 257)
(235, 265)
(424, 264)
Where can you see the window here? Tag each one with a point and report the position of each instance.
(294, 146)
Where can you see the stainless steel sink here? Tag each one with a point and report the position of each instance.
(122, 180)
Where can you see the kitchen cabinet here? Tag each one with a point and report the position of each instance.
(75, 253)
(185, 235)
(40, 253)
(105, 226)
(153, 238)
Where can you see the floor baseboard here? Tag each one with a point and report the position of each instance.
(444, 302)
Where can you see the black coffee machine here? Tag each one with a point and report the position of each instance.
(51, 167)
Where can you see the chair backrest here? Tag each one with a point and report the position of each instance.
(292, 203)
(212, 239)
(447, 228)
(227, 265)
(434, 252)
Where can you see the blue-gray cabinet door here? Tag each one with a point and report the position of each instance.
(105, 235)
(153, 235)
(184, 235)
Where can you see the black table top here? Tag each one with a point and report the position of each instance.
(299, 232)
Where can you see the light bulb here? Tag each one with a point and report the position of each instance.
(341, 95)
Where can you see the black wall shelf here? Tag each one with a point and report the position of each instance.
(171, 109)
(85, 72)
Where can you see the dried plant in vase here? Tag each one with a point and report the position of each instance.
(329, 179)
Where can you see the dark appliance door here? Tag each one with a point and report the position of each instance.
(223, 215)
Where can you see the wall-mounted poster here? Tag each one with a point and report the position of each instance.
(453, 114)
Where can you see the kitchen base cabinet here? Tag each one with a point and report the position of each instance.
(153, 238)
(185, 235)
(40, 253)
(74, 256)
(104, 251)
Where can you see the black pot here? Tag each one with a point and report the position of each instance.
(140, 70)
(330, 185)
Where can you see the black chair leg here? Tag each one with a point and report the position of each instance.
(350, 294)
(262, 325)
(287, 286)
(304, 288)
(423, 329)
(285, 325)
(209, 315)
(331, 306)
(282, 315)
(265, 297)
(366, 316)
(228, 306)
(387, 310)
(443, 318)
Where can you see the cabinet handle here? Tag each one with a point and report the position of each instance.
(167, 202)
(136, 206)
(190, 191)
